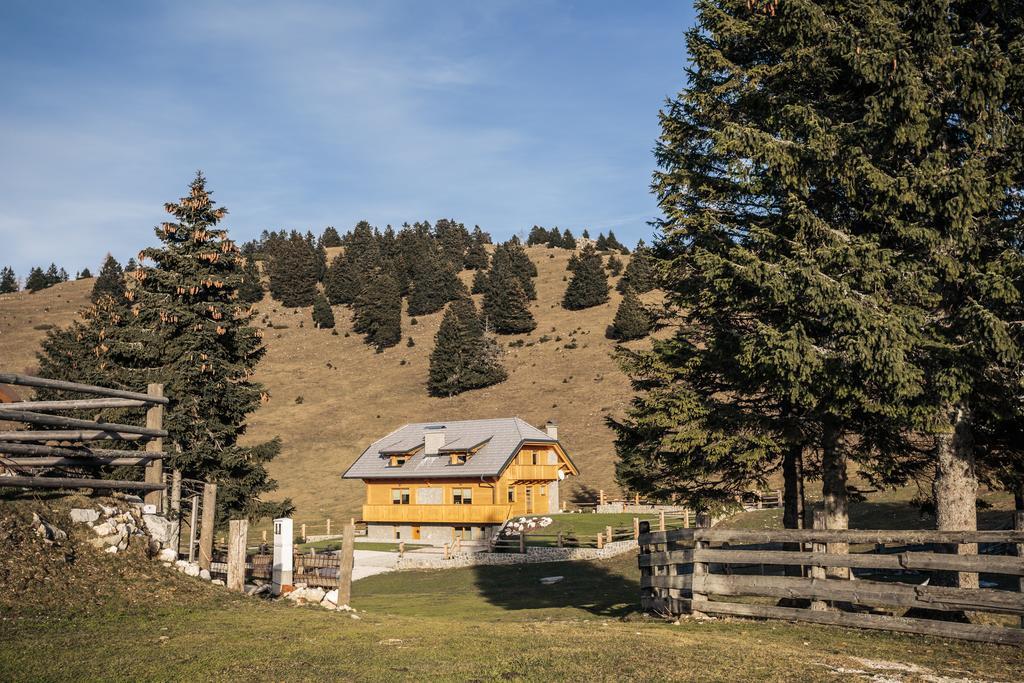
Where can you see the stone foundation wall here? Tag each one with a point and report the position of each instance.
(531, 555)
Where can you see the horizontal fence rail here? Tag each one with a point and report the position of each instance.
(839, 577)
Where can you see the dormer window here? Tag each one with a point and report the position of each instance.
(459, 458)
(398, 460)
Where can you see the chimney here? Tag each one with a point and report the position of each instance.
(433, 440)
(552, 429)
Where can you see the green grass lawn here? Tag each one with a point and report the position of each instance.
(335, 544)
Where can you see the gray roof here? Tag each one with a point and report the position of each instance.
(501, 439)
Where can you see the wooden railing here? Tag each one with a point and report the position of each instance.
(701, 570)
(442, 514)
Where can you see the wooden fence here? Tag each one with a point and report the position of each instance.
(705, 570)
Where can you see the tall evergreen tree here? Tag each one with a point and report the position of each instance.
(434, 283)
(250, 291)
(84, 275)
(8, 281)
(454, 240)
(512, 253)
(294, 270)
(36, 280)
(464, 358)
(477, 257)
(641, 274)
(110, 281)
(377, 310)
(589, 284)
(181, 324)
(330, 238)
(614, 265)
(323, 316)
(537, 236)
(632, 319)
(568, 241)
(506, 309)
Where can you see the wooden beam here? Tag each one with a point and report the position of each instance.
(74, 451)
(929, 627)
(677, 581)
(206, 526)
(63, 435)
(78, 404)
(238, 533)
(913, 561)
(42, 382)
(873, 593)
(61, 421)
(667, 536)
(1018, 524)
(78, 461)
(347, 559)
(908, 537)
(154, 425)
(73, 483)
(670, 557)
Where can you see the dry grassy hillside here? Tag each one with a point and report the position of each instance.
(331, 395)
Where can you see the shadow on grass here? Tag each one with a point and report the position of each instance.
(601, 588)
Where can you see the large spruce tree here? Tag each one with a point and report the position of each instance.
(8, 281)
(506, 309)
(434, 282)
(181, 324)
(463, 358)
(377, 310)
(589, 284)
(641, 273)
(323, 316)
(632, 319)
(294, 271)
(36, 280)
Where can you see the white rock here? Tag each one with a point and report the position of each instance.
(123, 545)
(315, 594)
(192, 569)
(204, 574)
(84, 515)
(180, 564)
(548, 580)
(161, 530)
(331, 597)
(112, 549)
(104, 529)
(107, 510)
(355, 616)
(167, 555)
(167, 564)
(218, 582)
(297, 594)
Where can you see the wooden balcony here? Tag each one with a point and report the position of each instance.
(438, 514)
(533, 472)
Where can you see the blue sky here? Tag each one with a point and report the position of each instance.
(302, 115)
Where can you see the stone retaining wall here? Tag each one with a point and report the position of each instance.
(532, 555)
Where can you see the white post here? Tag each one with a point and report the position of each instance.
(282, 555)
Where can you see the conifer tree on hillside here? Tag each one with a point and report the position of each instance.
(250, 291)
(554, 240)
(330, 238)
(434, 283)
(464, 358)
(131, 266)
(36, 280)
(323, 316)
(377, 310)
(8, 281)
(84, 275)
(537, 236)
(632, 319)
(454, 240)
(339, 287)
(612, 243)
(477, 257)
(294, 272)
(506, 309)
(348, 273)
(513, 253)
(568, 241)
(480, 279)
(181, 324)
(641, 274)
(589, 284)
(585, 234)
(601, 243)
(110, 281)
(614, 265)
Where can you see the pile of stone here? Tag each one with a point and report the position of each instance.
(117, 527)
(50, 534)
(303, 595)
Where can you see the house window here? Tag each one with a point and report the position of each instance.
(535, 458)
(398, 460)
(462, 496)
(459, 458)
(399, 496)
(511, 494)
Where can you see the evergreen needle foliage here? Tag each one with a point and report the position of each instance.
(589, 284)
(464, 358)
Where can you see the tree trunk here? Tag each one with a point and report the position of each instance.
(792, 497)
(956, 483)
(833, 490)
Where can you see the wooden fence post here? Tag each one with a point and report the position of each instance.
(401, 549)
(700, 569)
(264, 535)
(608, 535)
(238, 533)
(328, 526)
(345, 567)
(600, 541)
(818, 572)
(636, 528)
(176, 494)
(193, 522)
(155, 468)
(522, 541)
(560, 541)
(661, 520)
(600, 497)
(303, 532)
(206, 533)
(646, 593)
(1018, 524)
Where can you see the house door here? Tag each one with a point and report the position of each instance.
(415, 533)
(529, 500)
